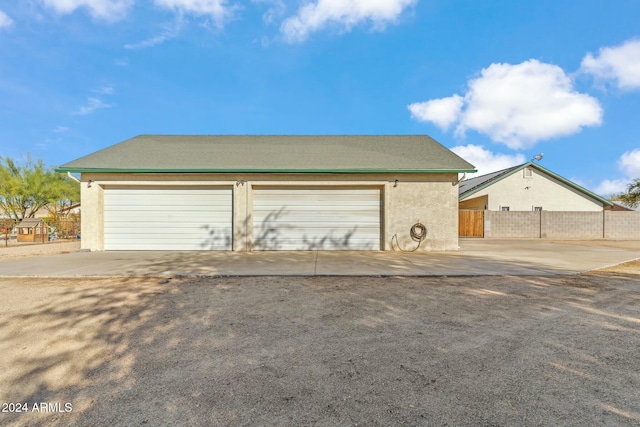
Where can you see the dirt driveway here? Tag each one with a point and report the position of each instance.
(495, 351)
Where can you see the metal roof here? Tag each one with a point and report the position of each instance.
(288, 154)
(474, 185)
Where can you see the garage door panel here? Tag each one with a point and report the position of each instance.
(327, 228)
(143, 207)
(321, 225)
(168, 218)
(168, 246)
(196, 242)
(314, 192)
(115, 225)
(317, 219)
(296, 246)
(288, 207)
(170, 190)
(182, 233)
(321, 218)
(303, 197)
(148, 205)
(181, 239)
(310, 242)
(314, 195)
(156, 216)
(194, 218)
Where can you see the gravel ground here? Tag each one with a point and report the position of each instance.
(35, 249)
(474, 351)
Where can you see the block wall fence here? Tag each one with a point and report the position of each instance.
(613, 225)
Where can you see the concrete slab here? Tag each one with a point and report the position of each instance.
(572, 256)
(476, 257)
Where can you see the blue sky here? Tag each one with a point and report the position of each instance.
(496, 81)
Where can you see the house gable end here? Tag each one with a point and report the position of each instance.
(583, 192)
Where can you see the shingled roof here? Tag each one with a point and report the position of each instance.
(287, 154)
(470, 184)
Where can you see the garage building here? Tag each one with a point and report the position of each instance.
(243, 193)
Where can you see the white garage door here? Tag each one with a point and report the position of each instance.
(167, 218)
(316, 219)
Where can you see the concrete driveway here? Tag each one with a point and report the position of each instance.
(476, 257)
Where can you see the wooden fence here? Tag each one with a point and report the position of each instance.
(471, 223)
(6, 227)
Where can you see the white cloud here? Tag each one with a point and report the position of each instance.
(92, 105)
(609, 187)
(169, 32)
(485, 161)
(5, 21)
(109, 10)
(276, 10)
(150, 42)
(618, 63)
(629, 163)
(105, 90)
(520, 105)
(443, 112)
(60, 129)
(313, 16)
(218, 10)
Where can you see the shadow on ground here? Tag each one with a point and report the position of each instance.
(530, 350)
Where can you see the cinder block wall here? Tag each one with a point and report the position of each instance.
(622, 225)
(571, 225)
(562, 225)
(513, 224)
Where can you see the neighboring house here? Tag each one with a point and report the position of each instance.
(159, 192)
(620, 207)
(527, 187)
(43, 212)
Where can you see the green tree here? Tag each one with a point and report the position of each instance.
(64, 193)
(632, 196)
(24, 189)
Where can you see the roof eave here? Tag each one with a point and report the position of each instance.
(303, 171)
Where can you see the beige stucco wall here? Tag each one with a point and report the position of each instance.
(430, 199)
(522, 194)
(92, 218)
(432, 203)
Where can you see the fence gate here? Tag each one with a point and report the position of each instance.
(470, 223)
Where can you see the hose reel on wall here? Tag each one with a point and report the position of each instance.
(418, 233)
